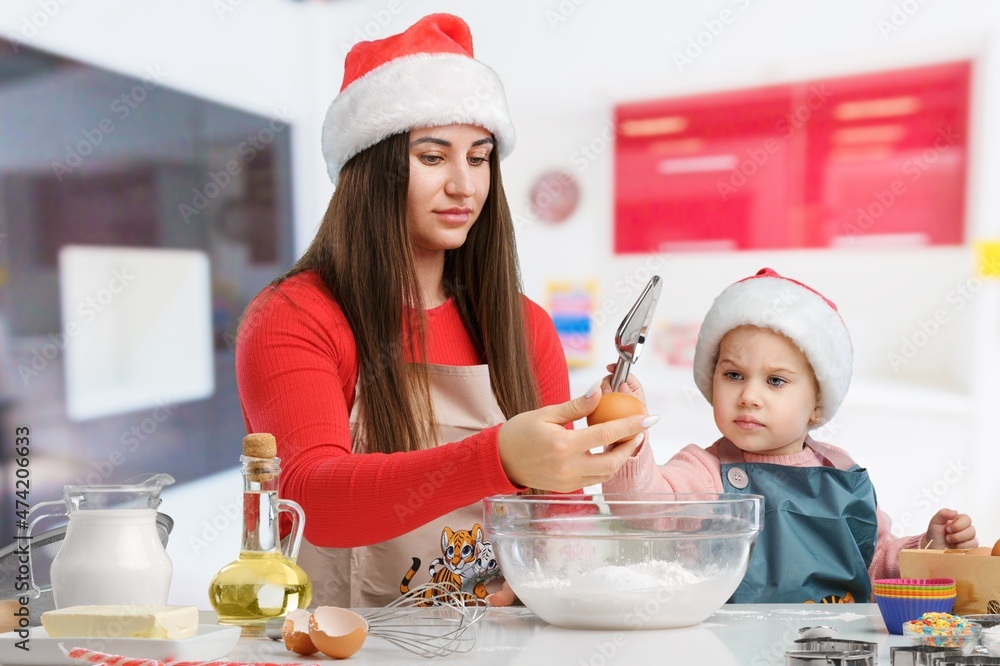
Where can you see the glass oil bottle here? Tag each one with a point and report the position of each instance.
(264, 582)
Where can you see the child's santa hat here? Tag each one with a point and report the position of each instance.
(423, 77)
(798, 312)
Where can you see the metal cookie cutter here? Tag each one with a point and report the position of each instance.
(831, 652)
(920, 655)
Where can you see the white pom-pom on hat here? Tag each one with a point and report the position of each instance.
(800, 313)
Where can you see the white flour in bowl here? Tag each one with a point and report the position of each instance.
(648, 595)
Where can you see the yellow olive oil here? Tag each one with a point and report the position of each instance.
(257, 587)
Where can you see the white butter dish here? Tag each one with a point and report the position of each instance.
(211, 642)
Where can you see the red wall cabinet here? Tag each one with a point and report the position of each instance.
(872, 159)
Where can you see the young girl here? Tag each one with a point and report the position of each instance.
(774, 359)
(402, 372)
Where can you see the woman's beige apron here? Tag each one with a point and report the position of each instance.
(454, 546)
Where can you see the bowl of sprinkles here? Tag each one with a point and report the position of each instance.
(943, 630)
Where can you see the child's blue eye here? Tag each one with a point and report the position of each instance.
(776, 381)
(733, 375)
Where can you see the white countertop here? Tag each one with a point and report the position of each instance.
(744, 635)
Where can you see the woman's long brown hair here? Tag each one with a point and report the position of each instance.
(363, 254)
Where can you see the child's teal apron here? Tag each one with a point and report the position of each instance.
(819, 530)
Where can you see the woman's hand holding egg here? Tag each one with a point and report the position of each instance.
(537, 451)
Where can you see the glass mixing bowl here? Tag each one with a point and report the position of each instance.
(645, 561)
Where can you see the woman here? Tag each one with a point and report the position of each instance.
(397, 363)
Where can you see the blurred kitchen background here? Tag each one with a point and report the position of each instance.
(160, 163)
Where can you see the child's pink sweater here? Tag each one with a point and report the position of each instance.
(697, 470)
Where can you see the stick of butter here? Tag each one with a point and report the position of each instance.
(121, 621)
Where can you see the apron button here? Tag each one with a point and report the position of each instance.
(737, 478)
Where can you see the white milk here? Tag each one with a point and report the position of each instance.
(111, 556)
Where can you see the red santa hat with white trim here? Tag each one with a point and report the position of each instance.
(425, 76)
(786, 306)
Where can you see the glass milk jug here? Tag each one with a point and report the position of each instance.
(112, 552)
(263, 582)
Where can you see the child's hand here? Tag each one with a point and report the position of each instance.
(502, 597)
(949, 529)
(631, 386)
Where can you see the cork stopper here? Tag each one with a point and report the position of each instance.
(260, 445)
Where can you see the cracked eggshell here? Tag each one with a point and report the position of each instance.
(295, 631)
(337, 632)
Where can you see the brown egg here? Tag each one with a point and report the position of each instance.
(996, 549)
(615, 406)
(295, 631)
(337, 632)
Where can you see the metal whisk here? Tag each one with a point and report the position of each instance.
(437, 631)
